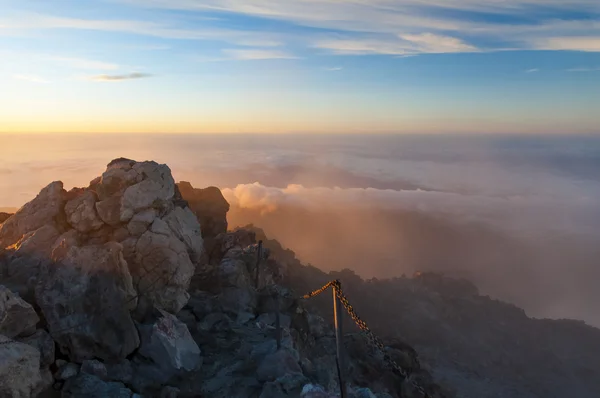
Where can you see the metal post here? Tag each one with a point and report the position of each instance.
(339, 336)
(258, 258)
(277, 322)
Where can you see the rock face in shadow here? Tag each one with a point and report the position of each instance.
(4, 216)
(85, 296)
(209, 206)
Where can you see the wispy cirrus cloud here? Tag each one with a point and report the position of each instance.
(119, 78)
(437, 25)
(533, 70)
(31, 78)
(27, 21)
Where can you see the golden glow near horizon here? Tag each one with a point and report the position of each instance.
(137, 69)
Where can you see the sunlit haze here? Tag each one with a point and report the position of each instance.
(390, 66)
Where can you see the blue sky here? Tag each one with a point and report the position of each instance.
(406, 66)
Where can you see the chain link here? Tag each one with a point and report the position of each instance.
(318, 291)
(372, 339)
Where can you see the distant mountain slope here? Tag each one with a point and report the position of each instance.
(473, 344)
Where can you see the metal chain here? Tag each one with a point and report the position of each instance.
(318, 291)
(373, 340)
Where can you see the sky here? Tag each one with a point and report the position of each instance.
(305, 66)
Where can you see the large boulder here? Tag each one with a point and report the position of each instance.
(90, 386)
(20, 375)
(155, 189)
(46, 208)
(81, 212)
(161, 268)
(17, 317)
(169, 344)
(85, 296)
(186, 228)
(44, 344)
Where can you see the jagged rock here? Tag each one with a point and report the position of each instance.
(95, 368)
(81, 212)
(215, 322)
(289, 385)
(314, 391)
(121, 371)
(66, 371)
(278, 364)
(25, 258)
(38, 242)
(161, 268)
(169, 344)
(87, 385)
(210, 207)
(269, 319)
(20, 375)
(116, 179)
(46, 208)
(109, 210)
(141, 221)
(240, 238)
(4, 217)
(186, 228)
(169, 392)
(17, 317)
(203, 303)
(156, 188)
(45, 345)
(85, 297)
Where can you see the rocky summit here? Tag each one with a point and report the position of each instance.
(133, 287)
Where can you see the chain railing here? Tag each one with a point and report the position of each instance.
(373, 340)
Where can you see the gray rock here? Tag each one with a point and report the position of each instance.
(109, 210)
(186, 228)
(203, 303)
(141, 221)
(154, 190)
(169, 392)
(162, 270)
(19, 369)
(66, 371)
(44, 209)
(38, 242)
(86, 385)
(81, 212)
(314, 391)
(26, 257)
(45, 345)
(169, 344)
(270, 320)
(95, 367)
(361, 393)
(17, 317)
(85, 297)
(289, 385)
(278, 364)
(215, 322)
(121, 371)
